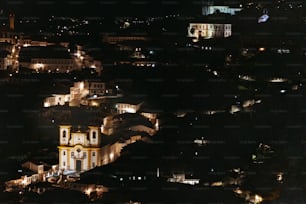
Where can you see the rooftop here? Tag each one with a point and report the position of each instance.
(49, 52)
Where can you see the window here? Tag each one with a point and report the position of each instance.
(93, 164)
(72, 154)
(93, 154)
(64, 133)
(94, 135)
(64, 153)
(84, 154)
(64, 163)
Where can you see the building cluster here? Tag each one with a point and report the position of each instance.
(89, 93)
(46, 59)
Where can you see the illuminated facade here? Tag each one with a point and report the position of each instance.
(8, 37)
(80, 150)
(207, 10)
(50, 64)
(127, 107)
(84, 89)
(209, 30)
(79, 94)
(56, 99)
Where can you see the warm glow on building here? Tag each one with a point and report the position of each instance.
(111, 156)
(46, 104)
(261, 49)
(38, 66)
(209, 30)
(88, 191)
(79, 151)
(81, 85)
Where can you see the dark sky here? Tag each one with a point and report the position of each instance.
(101, 7)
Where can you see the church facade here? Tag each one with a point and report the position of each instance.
(79, 150)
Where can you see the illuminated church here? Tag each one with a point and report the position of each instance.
(79, 150)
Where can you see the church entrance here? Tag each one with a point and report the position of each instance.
(78, 165)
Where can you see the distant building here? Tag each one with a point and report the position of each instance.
(56, 99)
(46, 59)
(8, 37)
(5, 60)
(128, 107)
(208, 10)
(208, 30)
(121, 38)
(82, 93)
(83, 89)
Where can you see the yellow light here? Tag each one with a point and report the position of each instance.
(78, 54)
(94, 103)
(111, 156)
(238, 191)
(261, 49)
(46, 104)
(38, 65)
(88, 191)
(130, 110)
(82, 85)
(258, 199)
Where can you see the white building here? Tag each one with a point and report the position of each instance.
(57, 99)
(79, 151)
(209, 30)
(207, 10)
(128, 107)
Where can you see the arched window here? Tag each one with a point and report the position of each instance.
(94, 135)
(64, 133)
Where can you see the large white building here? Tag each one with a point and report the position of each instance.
(208, 30)
(79, 150)
(82, 150)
